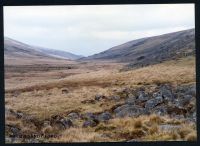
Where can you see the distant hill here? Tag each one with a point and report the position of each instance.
(59, 54)
(151, 50)
(13, 48)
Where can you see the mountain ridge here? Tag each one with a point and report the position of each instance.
(14, 48)
(150, 50)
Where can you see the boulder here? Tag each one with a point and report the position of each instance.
(65, 123)
(116, 98)
(166, 93)
(99, 97)
(89, 123)
(161, 110)
(185, 101)
(128, 110)
(152, 103)
(142, 96)
(104, 116)
(130, 101)
(187, 90)
(73, 116)
(89, 116)
(13, 130)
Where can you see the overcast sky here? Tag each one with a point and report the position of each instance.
(86, 30)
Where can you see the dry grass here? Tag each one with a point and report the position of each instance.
(42, 97)
(138, 128)
(45, 100)
(78, 135)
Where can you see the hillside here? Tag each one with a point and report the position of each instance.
(151, 50)
(59, 54)
(16, 49)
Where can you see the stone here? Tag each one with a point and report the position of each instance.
(166, 93)
(73, 116)
(67, 123)
(161, 111)
(168, 127)
(13, 140)
(185, 101)
(99, 97)
(116, 97)
(128, 110)
(152, 103)
(191, 91)
(14, 131)
(174, 110)
(156, 94)
(89, 116)
(104, 116)
(89, 123)
(130, 101)
(65, 91)
(142, 96)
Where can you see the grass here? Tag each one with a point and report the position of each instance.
(48, 99)
(127, 129)
(40, 94)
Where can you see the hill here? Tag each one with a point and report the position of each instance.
(151, 50)
(16, 49)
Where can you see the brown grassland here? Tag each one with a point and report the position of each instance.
(36, 90)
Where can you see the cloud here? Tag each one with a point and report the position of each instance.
(91, 29)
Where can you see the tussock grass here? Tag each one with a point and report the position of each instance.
(78, 135)
(43, 99)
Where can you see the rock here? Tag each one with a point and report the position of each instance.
(126, 90)
(89, 123)
(179, 117)
(7, 111)
(191, 91)
(150, 104)
(194, 116)
(67, 123)
(116, 98)
(99, 97)
(131, 95)
(128, 110)
(9, 140)
(46, 123)
(104, 116)
(142, 96)
(174, 110)
(166, 93)
(185, 101)
(159, 99)
(19, 115)
(187, 90)
(14, 131)
(73, 116)
(13, 140)
(156, 94)
(65, 91)
(168, 127)
(16, 94)
(32, 140)
(130, 101)
(89, 116)
(161, 111)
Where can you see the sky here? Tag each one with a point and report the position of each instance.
(87, 30)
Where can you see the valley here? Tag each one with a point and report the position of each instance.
(133, 92)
